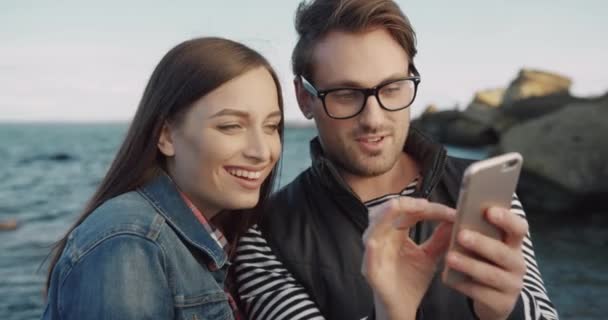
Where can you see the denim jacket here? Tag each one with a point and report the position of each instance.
(140, 255)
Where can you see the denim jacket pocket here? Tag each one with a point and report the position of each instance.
(212, 306)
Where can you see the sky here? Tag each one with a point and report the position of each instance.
(76, 61)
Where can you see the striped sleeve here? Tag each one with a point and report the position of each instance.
(537, 305)
(267, 289)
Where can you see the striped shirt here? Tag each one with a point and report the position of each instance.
(270, 292)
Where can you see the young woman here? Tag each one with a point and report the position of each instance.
(196, 166)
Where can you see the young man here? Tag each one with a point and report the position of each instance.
(356, 78)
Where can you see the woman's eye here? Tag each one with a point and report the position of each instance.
(272, 127)
(230, 127)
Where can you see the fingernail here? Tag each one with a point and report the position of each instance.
(397, 223)
(466, 238)
(453, 258)
(373, 214)
(496, 214)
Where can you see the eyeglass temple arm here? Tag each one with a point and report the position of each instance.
(308, 86)
(414, 70)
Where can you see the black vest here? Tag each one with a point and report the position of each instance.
(314, 226)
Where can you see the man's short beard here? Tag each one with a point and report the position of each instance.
(356, 168)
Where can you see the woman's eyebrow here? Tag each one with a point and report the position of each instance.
(231, 112)
(276, 114)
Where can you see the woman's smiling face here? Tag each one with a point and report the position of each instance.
(226, 144)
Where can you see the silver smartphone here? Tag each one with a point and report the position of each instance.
(486, 183)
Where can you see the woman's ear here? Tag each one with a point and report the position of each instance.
(304, 98)
(165, 141)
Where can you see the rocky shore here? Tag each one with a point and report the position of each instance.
(563, 138)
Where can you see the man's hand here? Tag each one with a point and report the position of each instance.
(497, 280)
(398, 270)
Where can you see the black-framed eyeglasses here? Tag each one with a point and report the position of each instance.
(346, 102)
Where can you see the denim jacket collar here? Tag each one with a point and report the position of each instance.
(163, 194)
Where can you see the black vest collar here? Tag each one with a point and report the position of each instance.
(430, 156)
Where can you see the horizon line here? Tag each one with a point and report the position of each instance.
(288, 123)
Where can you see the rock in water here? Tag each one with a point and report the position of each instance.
(56, 157)
(490, 98)
(565, 158)
(535, 83)
(431, 108)
(457, 128)
(8, 225)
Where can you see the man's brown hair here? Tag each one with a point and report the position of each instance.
(316, 19)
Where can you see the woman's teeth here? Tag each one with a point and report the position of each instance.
(373, 139)
(245, 174)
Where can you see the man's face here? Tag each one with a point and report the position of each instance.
(370, 143)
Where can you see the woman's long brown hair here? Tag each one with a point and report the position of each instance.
(186, 73)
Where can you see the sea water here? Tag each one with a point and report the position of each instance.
(48, 171)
